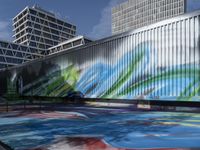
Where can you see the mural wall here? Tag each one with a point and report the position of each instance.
(160, 62)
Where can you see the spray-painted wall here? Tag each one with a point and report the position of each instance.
(160, 61)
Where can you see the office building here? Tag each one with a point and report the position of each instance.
(134, 14)
(39, 28)
(35, 31)
(12, 54)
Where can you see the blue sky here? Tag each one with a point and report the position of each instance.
(92, 17)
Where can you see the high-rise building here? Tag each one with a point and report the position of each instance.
(39, 28)
(12, 54)
(38, 33)
(134, 14)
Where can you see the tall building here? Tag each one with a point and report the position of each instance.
(39, 28)
(134, 14)
(38, 33)
(12, 54)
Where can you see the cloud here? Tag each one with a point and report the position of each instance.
(193, 5)
(103, 28)
(5, 30)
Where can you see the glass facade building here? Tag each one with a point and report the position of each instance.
(12, 54)
(156, 62)
(39, 28)
(35, 31)
(133, 14)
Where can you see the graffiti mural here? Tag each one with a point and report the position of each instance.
(155, 63)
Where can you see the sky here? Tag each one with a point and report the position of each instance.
(92, 17)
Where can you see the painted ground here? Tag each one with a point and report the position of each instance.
(102, 129)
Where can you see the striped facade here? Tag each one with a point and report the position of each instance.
(134, 14)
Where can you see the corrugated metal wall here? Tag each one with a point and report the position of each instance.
(156, 62)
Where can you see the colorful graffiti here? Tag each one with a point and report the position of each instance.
(57, 83)
(128, 78)
(160, 63)
(87, 128)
